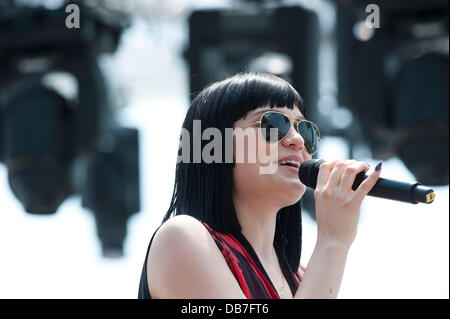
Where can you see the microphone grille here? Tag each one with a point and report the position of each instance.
(308, 172)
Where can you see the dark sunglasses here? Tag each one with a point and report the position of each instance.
(307, 129)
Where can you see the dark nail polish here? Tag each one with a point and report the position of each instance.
(377, 168)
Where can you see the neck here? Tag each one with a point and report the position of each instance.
(258, 221)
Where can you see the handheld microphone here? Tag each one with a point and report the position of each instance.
(385, 188)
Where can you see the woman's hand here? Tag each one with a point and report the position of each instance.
(337, 205)
(337, 215)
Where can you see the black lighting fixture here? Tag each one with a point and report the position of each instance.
(58, 133)
(282, 40)
(395, 80)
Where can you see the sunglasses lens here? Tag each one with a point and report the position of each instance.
(275, 120)
(310, 134)
(306, 129)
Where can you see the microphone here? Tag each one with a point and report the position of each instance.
(385, 188)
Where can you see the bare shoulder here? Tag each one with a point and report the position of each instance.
(184, 262)
(181, 225)
(179, 234)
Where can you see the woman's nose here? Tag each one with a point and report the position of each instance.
(294, 140)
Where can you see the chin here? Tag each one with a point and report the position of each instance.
(293, 194)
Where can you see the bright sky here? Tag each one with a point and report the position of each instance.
(401, 251)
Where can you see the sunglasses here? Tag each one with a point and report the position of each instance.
(307, 129)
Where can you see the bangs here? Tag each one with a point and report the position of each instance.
(255, 91)
(245, 92)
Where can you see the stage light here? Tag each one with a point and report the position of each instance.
(361, 32)
(282, 40)
(395, 82)
(37, 148)
(58, 132)
(111, 189)
(271, 62)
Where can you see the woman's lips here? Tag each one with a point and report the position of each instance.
(291, 168)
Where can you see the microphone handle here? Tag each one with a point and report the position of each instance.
(400, 191)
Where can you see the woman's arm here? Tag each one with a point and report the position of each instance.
(337, 215)
(324, 273)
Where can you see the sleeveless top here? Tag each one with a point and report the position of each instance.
(245, 266)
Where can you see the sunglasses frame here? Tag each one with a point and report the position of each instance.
(290, 123)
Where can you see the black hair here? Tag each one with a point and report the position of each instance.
(204, 190)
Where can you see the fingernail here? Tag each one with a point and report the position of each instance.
(377, 168)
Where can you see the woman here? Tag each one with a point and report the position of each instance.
(236, 232)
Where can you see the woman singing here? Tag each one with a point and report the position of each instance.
(232, 229)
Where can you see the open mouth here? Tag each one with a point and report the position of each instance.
(291, 163)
